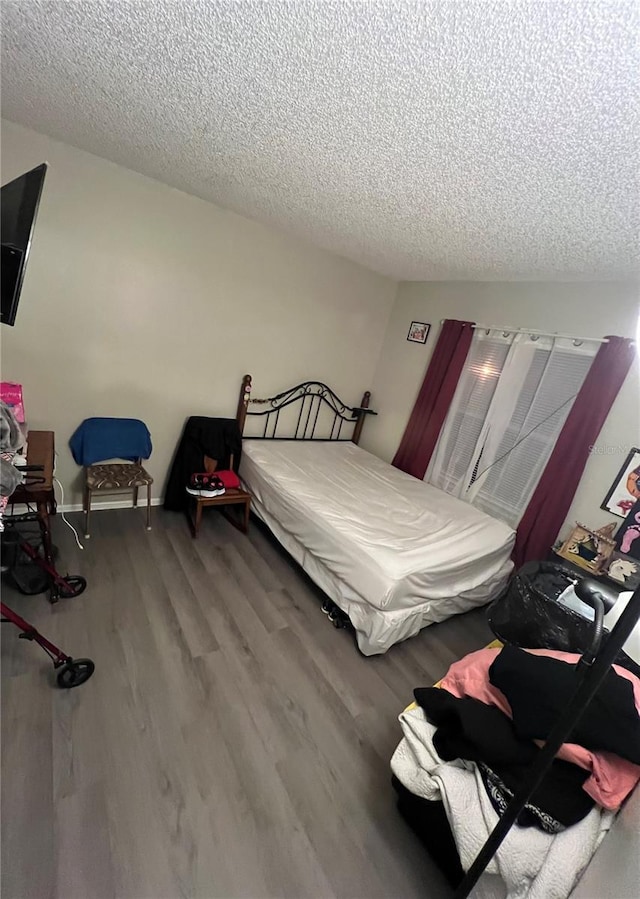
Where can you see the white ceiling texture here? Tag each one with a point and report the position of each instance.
(432, 140)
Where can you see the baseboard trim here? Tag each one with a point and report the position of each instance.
(112, 504)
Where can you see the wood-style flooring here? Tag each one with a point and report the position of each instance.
(231, 742)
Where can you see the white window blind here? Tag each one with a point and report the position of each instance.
(511, 403)
(468, 412)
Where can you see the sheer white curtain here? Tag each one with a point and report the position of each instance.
(449, 466)
(511, 403)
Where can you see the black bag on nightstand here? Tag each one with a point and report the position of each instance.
(528, 613)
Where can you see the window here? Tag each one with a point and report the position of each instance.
(512, 400)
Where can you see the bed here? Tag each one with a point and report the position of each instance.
(393, 553)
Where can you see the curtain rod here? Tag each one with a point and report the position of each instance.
(533, 331)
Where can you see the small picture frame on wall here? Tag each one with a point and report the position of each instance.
(418, 332)
(625, 489)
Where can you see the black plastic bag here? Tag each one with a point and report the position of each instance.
(528, 614)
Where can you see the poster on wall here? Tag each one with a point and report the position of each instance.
(625, 489)
(628, 536)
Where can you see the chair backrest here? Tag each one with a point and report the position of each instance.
(99, 439)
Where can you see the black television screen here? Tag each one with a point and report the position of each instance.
(19, 201)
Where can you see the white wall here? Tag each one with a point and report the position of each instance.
(588, 309)
(143, 301)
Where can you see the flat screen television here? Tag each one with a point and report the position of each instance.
(19, 201)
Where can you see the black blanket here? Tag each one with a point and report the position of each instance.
(470, 729)
(217, 438)
(539, 688)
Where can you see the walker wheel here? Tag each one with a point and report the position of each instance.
(75, 673)
(75, 585)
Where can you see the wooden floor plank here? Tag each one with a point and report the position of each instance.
(84, 868)
(28, 840)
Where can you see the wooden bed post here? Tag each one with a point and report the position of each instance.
(243, 402)
(357, 431)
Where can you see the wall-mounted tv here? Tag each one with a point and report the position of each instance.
(19, 201)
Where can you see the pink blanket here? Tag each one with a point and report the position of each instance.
(612, 778)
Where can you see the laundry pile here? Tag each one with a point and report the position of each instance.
(471, 741)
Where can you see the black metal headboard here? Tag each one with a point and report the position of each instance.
(313, 397)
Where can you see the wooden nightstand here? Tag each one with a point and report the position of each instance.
(232, 497)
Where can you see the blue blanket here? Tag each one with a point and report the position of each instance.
(98, 439)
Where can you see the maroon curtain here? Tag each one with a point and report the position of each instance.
(550, 503)
(431, 407)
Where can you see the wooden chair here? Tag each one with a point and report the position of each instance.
(117, 476)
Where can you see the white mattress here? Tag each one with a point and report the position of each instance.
(392, 542)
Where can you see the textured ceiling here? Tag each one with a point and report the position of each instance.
(433, 140)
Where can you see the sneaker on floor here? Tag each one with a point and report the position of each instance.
(205, 485)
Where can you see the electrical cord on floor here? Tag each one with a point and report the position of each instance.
(62, 515)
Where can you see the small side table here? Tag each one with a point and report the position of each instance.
(231, 497)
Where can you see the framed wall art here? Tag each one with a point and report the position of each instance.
(625, 489)
(418, 332)
(628, 535)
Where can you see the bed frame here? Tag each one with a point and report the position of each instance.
(311, 395)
